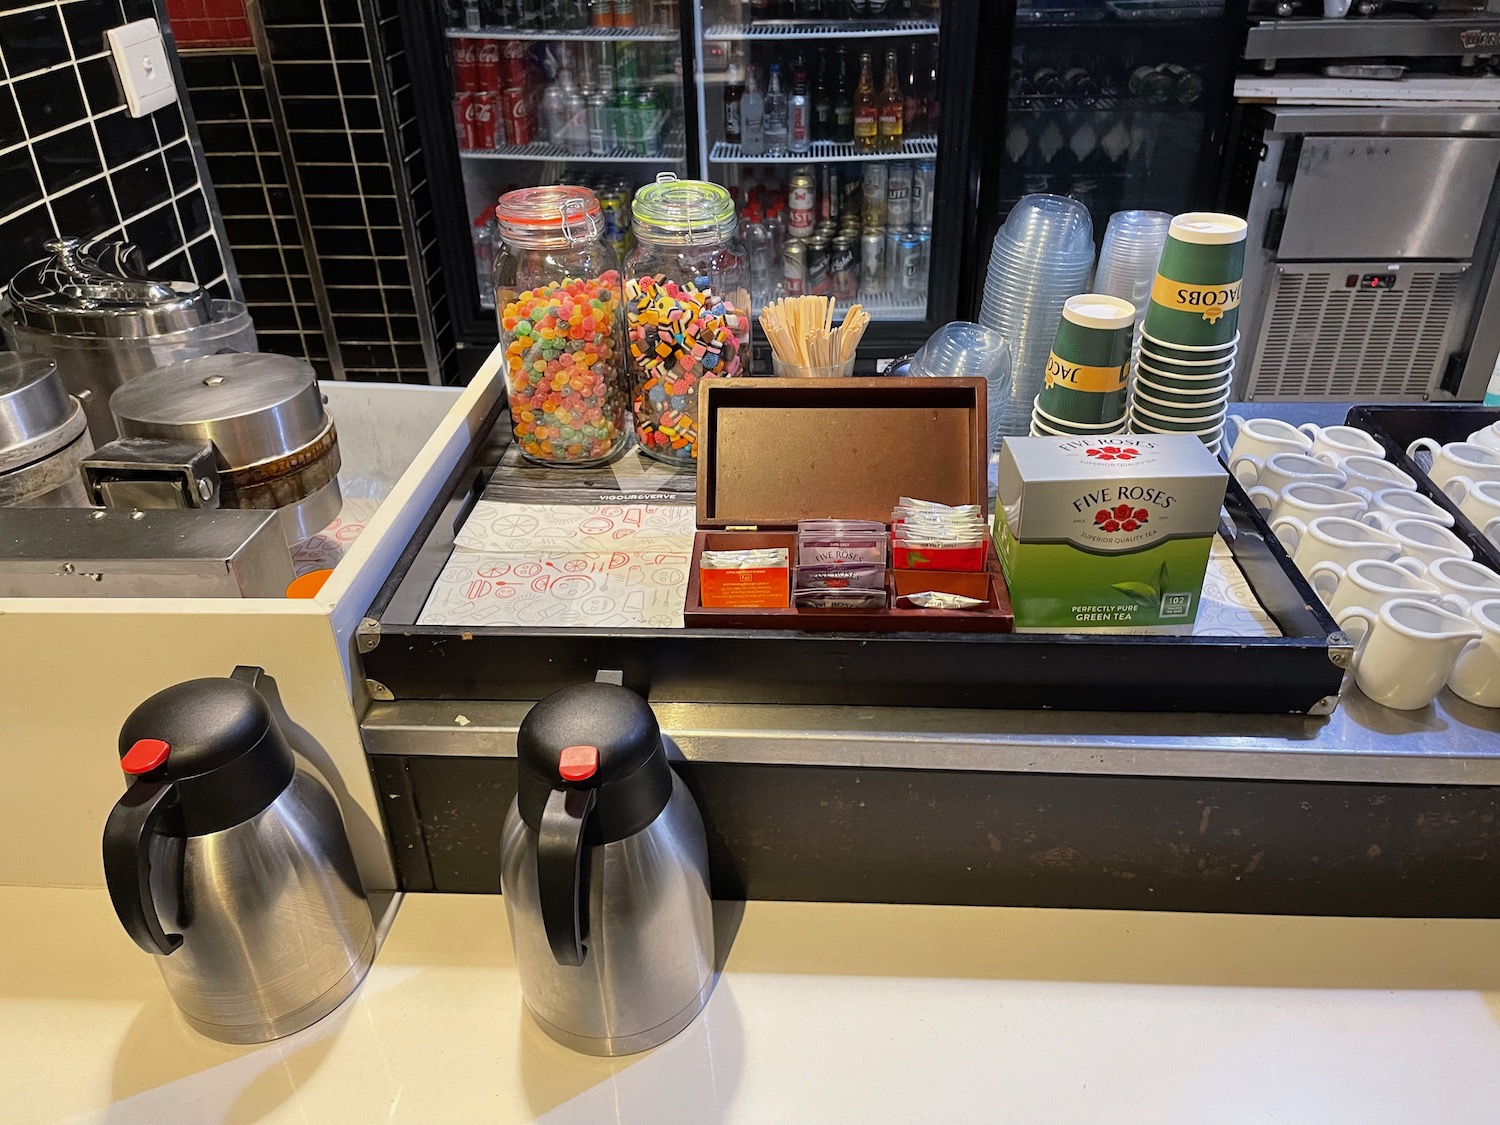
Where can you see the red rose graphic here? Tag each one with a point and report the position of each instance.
(1122, 511)
(1101, 515)
(1121, 518)
(1114, 452)
(1130, 525)
(1111, 525)
(1141, 515)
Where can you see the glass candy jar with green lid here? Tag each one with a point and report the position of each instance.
(687, 309)
(558, 298)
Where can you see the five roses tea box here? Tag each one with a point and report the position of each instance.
(1105, 532)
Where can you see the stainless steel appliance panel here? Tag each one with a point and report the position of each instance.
(1388, 198)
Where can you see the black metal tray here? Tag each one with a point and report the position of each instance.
(1396, 427)
(1294, 673)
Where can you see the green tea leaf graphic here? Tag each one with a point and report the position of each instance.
(917, 557)
(1138, 592)
(1163, 578)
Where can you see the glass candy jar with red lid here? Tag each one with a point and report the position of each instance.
(558, 299)
(687, 308)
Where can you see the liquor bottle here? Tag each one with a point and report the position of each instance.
(752, 117)
(799, 110)
(762, 256)
(932, 89)
(734, 90)
(822, 116)
(843, 101)
(775, 110)
(1047, 83)
(1080, 84)
(892, 115)
(916, 96)
(866, 109)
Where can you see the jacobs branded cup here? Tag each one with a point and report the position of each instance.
(1086, 372)
(1195, 300)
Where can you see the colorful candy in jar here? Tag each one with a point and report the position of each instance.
(563, 368)
(680, 334)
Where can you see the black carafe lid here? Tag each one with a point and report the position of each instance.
(592, 771)
(224, 754)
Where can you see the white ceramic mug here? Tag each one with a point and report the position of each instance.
(1371, 583)
(1422, 540)
(1476, 675)
(1458, 459)
(1480, 501)
(1471, 581)
(1281, 469)
(1404, 504)
(1263, 437)
(1363, 471)
(1333, 539)
(1489, 437)
(1307, 501)
(1342, 441)
(1406, 652)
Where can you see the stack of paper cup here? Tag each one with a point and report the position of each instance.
(1084, 388)
(1185, 365)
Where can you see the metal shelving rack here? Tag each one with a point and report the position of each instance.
(819, 29)
(672, 153)
(824, 152)
(582, 34)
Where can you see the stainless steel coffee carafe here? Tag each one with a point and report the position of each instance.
(230, 863)
(604, 870)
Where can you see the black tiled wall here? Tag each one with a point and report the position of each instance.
(72, 159)
(249, 174)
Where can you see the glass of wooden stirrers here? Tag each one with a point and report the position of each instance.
(804, 342)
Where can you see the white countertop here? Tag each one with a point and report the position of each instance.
(826, 1013)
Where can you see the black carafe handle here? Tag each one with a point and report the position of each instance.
(562, 872)
(127, 862)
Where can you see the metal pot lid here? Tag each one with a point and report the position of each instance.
(34, 405)
(101, 288)
(253, 406)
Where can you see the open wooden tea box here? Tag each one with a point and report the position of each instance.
(775, 451)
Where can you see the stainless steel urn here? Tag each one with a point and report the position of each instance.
(43, 437)
(94, 309)
(604, 870)
(230, 863)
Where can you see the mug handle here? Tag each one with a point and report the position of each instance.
(1239, 425)
(1455, 604)
(1491, 531)
(1378, 520)
(1412, 566)
(1362, 641)
(1365, 494)
(1327, 456)
(1316, 575)
(1311, 429)
(1259, 492)
(1426, 444)
(1255, 466)
(1298, 530)
(1457, 488)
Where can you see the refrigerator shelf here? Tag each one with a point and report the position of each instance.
(672, 153)
(1041, 103)
(587, 34)
(819, 29)
(823, 152)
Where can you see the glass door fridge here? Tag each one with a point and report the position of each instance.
(841, 127)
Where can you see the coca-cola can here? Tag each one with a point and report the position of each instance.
(466, 65)
(515, 63)
(461, 118)
(488, 64)
(516, 121)
(479, 122)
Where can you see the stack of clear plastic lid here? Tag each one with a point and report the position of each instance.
(840, 565)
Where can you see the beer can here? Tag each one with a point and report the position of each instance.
(479, 122)
(794, 267)
(818, 280)
(826, 231)
(850, 225)
(851, 199)
(599, 128)
(646, 124)
(872, 262)
(802, 205)
(924, 257)
(843, 268)
(487, 62)
(465, 65)
(609, 217)
(830, 192)
(514, 62)
(923, 190)
(908, 273)
(893, 239)
(627, 64)
(874, 195)
(898, 194)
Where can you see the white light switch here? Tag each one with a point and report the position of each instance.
(141, 63)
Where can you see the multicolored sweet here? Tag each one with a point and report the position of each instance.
(680, 334)
(565, 370)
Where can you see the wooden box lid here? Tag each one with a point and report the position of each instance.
(775, 451)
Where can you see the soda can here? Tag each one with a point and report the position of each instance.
(487, 60)
(646, 124)
(609, 216)
(515, 63)
(626, 124)
(517, 115)
(627, 64)
(794, 267)
(599, 127)
(843, 268)
(461, 119)
(872, 262)
(802, 205)
(818, 280)
(872, 211)
(479, 121)
(923, 191)
(898, 194)
(924, 256)
(465, 65)
(908, 273)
